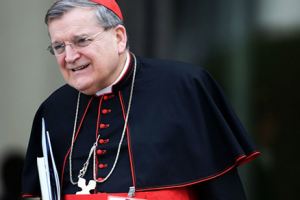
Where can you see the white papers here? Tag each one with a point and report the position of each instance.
(43, 178)
(49, 180)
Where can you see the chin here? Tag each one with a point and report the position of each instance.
(84, 90)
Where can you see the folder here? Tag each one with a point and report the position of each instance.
(48, 176)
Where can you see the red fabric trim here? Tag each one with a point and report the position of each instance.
(248, 158)
(128, 66)
(31, 196)
(63, 170)
(112, 5)
(239, 161)
(128, 141)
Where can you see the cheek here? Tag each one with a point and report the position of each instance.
(62, 66)
(60, 61)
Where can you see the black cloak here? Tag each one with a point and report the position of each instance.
(181, 131)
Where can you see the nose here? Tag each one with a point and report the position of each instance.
(71, 53)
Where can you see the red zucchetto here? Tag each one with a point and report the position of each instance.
(112, 5)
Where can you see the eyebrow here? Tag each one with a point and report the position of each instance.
(84, 35)
(80, 36)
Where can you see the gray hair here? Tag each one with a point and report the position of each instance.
(104, 16)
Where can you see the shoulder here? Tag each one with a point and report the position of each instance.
(170, 65)
(62, 94)
(173, 70)
(60, 98)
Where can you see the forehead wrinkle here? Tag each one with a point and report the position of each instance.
(62, 31)
(70, 34)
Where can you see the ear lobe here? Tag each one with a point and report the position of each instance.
(121, 37)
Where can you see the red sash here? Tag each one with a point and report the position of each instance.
(186, 193)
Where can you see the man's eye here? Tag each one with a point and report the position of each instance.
(82, 42)
(58, 46)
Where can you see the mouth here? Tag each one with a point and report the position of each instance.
(80, 68)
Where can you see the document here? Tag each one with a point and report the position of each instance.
(49, 180)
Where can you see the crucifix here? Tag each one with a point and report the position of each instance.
(85, 189)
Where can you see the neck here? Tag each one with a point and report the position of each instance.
(125, 64)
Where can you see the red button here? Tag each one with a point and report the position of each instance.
(102, 141)
(101, 166)
(108, 97)
(103, 126)
(105, 111)
(99, 152)
(100, 179)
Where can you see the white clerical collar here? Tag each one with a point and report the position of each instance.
(109, 88)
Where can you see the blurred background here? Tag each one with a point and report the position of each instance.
(250, 47)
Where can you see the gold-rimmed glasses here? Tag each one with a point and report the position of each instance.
(58, 48)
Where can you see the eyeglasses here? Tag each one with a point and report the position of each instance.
(58, 48)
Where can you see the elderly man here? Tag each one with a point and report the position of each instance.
(163, 128)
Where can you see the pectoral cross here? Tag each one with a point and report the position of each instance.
(85, 189)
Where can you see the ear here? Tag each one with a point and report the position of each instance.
(121, 37)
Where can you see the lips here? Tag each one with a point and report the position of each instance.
(80, 68)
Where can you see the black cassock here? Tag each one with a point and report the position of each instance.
(181, 131)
